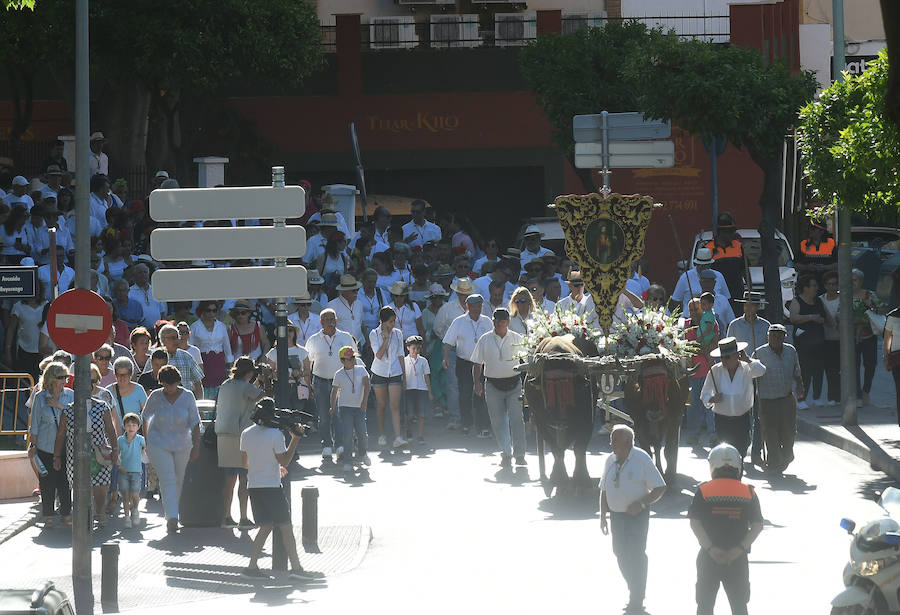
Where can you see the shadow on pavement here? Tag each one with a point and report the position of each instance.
(786, 482)
(218, 579)
(871, 489)
(566, 507)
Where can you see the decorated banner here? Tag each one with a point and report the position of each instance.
(604, 236)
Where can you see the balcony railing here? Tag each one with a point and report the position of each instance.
(511, 30)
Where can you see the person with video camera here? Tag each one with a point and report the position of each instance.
(265, 455)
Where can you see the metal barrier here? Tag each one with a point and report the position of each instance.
(15, 416)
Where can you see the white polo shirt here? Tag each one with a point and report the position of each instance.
(429, 231)
(323, 352)
(445, 316)
(349, 383)
(584, 306)
(305, 328)
(498, 354)
(637, 477)
(391, 364)
(464, 333)
(416, 372)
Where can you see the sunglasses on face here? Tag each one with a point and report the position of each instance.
(577, 284)
(240, 312)
(105, 357)
(520, 301)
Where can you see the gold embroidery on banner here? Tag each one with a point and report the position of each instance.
(604, 236)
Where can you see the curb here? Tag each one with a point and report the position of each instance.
(16, 527)
(877, 458)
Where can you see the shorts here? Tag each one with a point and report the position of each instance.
(416, 402)
(382, 381)
(129, 482)
(269, 506)
(235, 471)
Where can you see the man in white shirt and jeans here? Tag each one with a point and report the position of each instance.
(496, 354)
(728, 391)
(265, 455)
(631, 483)
(463, 334)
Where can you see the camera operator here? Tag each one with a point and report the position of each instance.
(265, 456)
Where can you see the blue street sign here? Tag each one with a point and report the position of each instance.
(18, 282)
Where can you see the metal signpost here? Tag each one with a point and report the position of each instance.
(619, 141)
(279, 241)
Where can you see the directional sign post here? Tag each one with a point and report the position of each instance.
(617, 141)
(278, 242)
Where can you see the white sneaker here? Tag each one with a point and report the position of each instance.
(832, 402)
(326, 452)
(803, 405)
(382, 441)
(127, 521)
(398, 442)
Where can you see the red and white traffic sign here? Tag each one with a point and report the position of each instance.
(79, 321)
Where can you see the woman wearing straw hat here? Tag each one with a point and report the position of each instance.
(246, 336)
(409, 316)
(728, 391)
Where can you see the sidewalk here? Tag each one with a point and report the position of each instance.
(875, 439)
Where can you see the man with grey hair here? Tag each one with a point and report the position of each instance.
(142, 292)
(631, 483)
(191, 373)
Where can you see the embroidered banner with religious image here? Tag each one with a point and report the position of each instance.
(604, 236)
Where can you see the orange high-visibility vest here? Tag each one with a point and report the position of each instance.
(823, 249)
(732, 250)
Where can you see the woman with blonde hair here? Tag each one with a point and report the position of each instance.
(521, 308)
(46, 412)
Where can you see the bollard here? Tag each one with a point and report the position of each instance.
(109, 577)
(310, 529)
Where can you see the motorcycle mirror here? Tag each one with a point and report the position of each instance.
(848, 525)
(892, 538)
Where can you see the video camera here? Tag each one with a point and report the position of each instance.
(268, 415)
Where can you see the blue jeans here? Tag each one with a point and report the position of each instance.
(505, 411)
(354, 419)
(629, 542)
(698, 414)
(329, 430)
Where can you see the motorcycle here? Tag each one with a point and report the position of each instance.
(872, 576)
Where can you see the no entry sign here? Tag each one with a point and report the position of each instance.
(79, 321)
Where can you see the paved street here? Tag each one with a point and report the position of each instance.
(451, 531)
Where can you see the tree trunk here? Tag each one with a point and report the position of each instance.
(121, 111)
(890, 17)
(770, 203)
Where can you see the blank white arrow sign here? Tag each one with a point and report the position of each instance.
(80, 322)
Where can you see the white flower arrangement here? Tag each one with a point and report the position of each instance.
(559, 322)
(646, 332)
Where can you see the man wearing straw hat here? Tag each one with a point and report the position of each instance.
(349, 311)
(688, 285)
(728, 391)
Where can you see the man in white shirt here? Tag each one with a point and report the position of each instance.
(631, 483)
(65, 275)
(533, 247)
(316, 244)
(328, 208)
(184, 342)
(142, 292)
(99, 161)
(454, 307)
(419, 230)
(728, 391)
(348, 310)
(18, 195)
(323, 347)
(36, 236)
(579, 301)
(688, 285)
(306, 322)
(496, 354)
(494, 274)
(99, 199)
(463, 334)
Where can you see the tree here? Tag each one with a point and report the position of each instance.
(19, 4)
(584, 72)
(730, 92)
(851, 149)
(147, 59)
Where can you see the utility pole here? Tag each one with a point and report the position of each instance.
(849, 370)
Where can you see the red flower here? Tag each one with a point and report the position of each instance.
(659, 328)
(649, 325)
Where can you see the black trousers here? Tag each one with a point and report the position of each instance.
(812, 369)
(867, 352)
(833, 369)
(735, 577)
(896, 374)
(735, 430)
(468, 401)
(53, 485)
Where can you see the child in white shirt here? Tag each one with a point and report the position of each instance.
(417, 393)
(349, 394)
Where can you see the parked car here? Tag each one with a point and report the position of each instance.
(879, 237)
(753, 252)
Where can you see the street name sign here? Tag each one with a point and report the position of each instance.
(229, 283)
(620, 127)
(240, 203)
(218, 243)
(18, 282)
(626, 155)
(79, 321)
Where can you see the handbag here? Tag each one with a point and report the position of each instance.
(103, 455)
(209, 437)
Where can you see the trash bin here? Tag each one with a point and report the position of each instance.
(201, 498)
